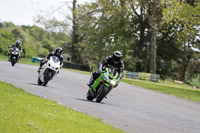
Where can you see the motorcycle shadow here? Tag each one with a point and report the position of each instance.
(36, 84)
(85, 100)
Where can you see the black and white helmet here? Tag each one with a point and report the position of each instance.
(17, 42)
(58, 51)
(117, 56)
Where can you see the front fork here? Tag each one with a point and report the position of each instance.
(98, 84)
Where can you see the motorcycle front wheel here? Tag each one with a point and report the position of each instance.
(13, 61)
(101, 93)
(47, 78)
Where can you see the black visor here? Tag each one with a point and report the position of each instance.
(58, 53)
(116, 59)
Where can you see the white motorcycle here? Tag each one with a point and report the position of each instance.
(49, 70)
(14, 55)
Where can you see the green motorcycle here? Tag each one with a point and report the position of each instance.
(103, 84)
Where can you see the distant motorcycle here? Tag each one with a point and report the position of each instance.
(103, 85)
(14, 55)
(49, 70)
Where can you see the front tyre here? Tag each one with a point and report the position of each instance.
(47, 78)
(13, 61)
(13, 64)
(101, 93)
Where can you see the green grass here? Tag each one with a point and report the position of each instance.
(179, 90)
(21, 112)
(22, 60)
(78, 71)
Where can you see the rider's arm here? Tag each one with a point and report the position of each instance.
(121, 69)
(49, 55)
(121, 73)
(20, 47)
(61, 60)
(103, 63)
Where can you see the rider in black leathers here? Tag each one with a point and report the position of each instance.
(58, 53)
(110, 61)
(17, 44)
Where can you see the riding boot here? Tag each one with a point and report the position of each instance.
(17, 59)
(39, 70)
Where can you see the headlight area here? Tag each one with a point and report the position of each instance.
(113, 83)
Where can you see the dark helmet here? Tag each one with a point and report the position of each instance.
(117, 56)
(58, 51)
(17, 42)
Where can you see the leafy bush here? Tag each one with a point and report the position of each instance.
(7, 39)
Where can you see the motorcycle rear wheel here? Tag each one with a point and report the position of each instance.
(89, 95)
(39, 81)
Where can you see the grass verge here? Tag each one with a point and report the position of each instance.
(179, 90)
(22, 60)
(26, 113)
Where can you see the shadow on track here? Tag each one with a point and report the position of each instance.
(36, 84)
(80, 99)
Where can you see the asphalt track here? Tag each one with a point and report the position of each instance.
(130, 108)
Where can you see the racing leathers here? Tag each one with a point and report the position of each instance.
(107, 62)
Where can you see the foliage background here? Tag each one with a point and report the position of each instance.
(158, 36)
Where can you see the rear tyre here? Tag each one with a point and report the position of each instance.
(39, 81)
(101, 93)
(89, 95)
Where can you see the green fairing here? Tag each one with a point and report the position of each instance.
(100, 79)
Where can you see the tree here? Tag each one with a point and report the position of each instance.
(186, 20)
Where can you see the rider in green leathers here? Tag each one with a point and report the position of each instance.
(114, 61)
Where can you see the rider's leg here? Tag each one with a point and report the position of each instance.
(19, 56)
(94, 76)
(41, 64)
(9, 57)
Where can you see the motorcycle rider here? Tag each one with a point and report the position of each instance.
(18, 45)
(114, 61)
(58, 53)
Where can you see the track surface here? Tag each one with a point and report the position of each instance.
(130, 108)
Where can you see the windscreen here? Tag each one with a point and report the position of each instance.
(15, 49)
(55, 59)
(112, 71)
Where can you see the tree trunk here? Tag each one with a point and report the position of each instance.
(183, 71)
(74, 33)
(153, 24)
(153, 51)
(184, 64)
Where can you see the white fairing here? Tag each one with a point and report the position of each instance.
(53, 64)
